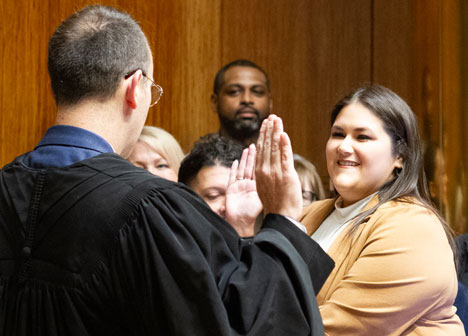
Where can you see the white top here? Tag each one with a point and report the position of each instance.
(298, 224)
(332, 226)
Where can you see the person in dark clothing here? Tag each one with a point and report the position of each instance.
(92, 245)
(242, 100)
(462, 255)
(210, 170)
(461, 301)
(207, 167)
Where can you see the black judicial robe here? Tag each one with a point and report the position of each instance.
(104, 248)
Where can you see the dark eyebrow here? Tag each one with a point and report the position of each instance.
(233, 85)
(242, 86)
(362, 129)
(358, 129)
(263, 86)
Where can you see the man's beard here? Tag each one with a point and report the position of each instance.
(242, 128)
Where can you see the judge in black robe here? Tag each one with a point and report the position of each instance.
(101, 247)
(91, 245)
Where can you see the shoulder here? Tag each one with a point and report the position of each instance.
(127, 188)
(405, 222)
(122, 171)
(318, 207)
(415, 233)
(407, 214)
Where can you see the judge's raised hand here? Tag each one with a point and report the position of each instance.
(278, 184)
(242, 202)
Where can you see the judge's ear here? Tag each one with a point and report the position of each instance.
(132, 91)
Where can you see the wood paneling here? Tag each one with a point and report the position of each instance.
(24, 97)
(453, 133)
(184, 36)
(392, 46)
(461, 208)
(315, 51)
(185, 39)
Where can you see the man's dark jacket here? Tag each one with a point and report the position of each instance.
(104, 248)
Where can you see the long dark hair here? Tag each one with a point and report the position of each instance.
(409, 182)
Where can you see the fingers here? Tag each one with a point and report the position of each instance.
(266, 155)
(265, 138)
(261, 139)
(241, 169)
(250, 165)
(246, 167)
(233, 172)
(287, 161)
(275, 143)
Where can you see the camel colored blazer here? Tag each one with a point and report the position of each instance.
(394, 276)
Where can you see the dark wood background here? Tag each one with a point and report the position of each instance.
(315, 51)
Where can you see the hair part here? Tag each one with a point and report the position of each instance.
(91, 52)
(210, 150)
(219, 78)
(164, 143)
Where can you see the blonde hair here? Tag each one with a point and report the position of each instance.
(307, 172)
(165, 144)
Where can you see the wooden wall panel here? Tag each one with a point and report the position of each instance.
(426, 68)
(461, 212)
(392, 46)
(453, 133)
(24, 87)
(184, 36)
(314, 52)
(186, 49)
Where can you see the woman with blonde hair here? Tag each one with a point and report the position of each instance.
(158, 152)
(312, 188)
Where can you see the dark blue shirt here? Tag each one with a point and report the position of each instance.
(461, 302)
(64, 145)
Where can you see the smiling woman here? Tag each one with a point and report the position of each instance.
(394, 266)
(360, 157)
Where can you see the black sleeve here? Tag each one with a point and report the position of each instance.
(187, 272)
(319, 263)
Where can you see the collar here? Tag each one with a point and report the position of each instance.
(313, 216)
(65, 135)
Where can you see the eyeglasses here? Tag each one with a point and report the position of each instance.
(156, 90)
(309, 196)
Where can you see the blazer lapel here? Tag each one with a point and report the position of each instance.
(312, 218)
(315, 214)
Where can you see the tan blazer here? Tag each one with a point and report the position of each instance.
(394, 276)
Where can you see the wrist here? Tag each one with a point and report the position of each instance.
(246, 233)
(292, 212)
(244, 229)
